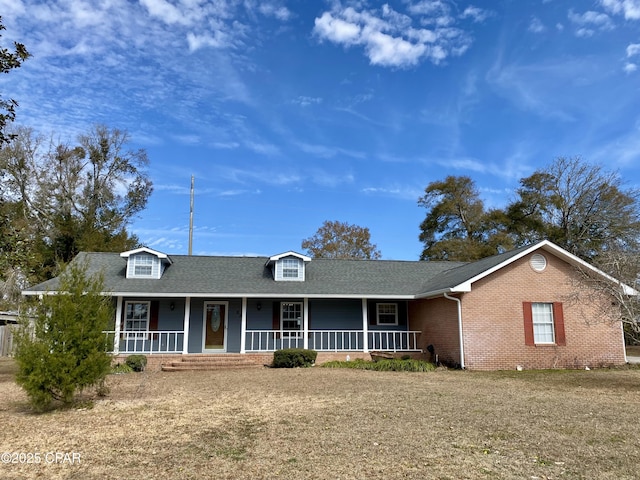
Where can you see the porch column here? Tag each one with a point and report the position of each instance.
(187, 315)
(116, 337)
(243, 327)
(305, 323)
(365, 326)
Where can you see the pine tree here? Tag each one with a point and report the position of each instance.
(63, 349)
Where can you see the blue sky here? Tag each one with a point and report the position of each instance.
(290, 113)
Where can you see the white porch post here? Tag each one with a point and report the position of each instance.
(187, 315)
(243, 327)
(116, 337)
(365, 326)
(305, 323)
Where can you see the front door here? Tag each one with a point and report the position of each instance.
(215, 326)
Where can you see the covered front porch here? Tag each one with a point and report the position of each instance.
(245, 325)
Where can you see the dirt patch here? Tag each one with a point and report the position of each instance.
(335, 424)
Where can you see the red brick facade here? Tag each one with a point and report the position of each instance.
(494, 326)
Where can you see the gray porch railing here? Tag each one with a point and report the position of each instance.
(332, 340)
(156, 341)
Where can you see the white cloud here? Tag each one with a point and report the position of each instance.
(477, 14)
(630, 67)
(536, 25)
(389, 38)
(305, 101)
(196, 42)
(278, 11)
(629, 8)
(165, 11)
(337, 30)
(633, 49)
(588, 22)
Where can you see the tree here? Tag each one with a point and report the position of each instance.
(76, 197)
(579, 206)
(64, 349)
(616, 297)
(456, 226)
(8, 61)
(341, 240)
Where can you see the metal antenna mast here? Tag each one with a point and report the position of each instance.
(191, 220)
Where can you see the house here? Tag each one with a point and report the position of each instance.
(508, 311)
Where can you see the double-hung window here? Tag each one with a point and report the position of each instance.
(142, 265)
(136, 317)
(544, 323)
(542, 316)
(290, 268)
(387, 314)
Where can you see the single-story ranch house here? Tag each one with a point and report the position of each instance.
(503, 312)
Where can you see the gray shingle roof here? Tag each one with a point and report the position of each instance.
(466, 271)
(235, 276)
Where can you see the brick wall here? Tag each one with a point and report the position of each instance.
(494, 322)
(438, 320)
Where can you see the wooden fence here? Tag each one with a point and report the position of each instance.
(6, 340)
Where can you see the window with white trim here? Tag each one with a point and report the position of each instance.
(291, 319)
(290, 268)
(143, 265)
(542, 316)
(387, 314)
(136, 316)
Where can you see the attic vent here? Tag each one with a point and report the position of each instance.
(538, 262)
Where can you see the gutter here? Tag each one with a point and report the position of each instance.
(459, 302)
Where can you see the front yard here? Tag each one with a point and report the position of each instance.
(333, 424)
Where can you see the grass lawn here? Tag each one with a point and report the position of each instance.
(336, 424)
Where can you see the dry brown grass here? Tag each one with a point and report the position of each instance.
(336, 424)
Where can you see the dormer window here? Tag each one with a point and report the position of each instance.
(142, 265)
(145, 263)
(289, 266)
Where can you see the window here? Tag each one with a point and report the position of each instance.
(291, 319)
(136, 316)
(542, 316)
(387, 314)
(290, 268)
(544, 323)
(142, 265)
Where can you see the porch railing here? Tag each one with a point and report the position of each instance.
(156, 341)
(332, 340)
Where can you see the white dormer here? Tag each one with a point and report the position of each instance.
(145, 263)
(289, 266)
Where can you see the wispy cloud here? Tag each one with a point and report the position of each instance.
(629, 8)
(633, 50)
(478, 15)
(536, 25)
(389, 38)
(588, 23)
(305, 101)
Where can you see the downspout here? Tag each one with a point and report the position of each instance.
(459, 302)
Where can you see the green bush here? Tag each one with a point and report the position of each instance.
(121, 368)
(391, 365)
(136, 362)
(64, 350)
(294, 357)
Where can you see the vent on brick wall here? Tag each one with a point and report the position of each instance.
(538, 262)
